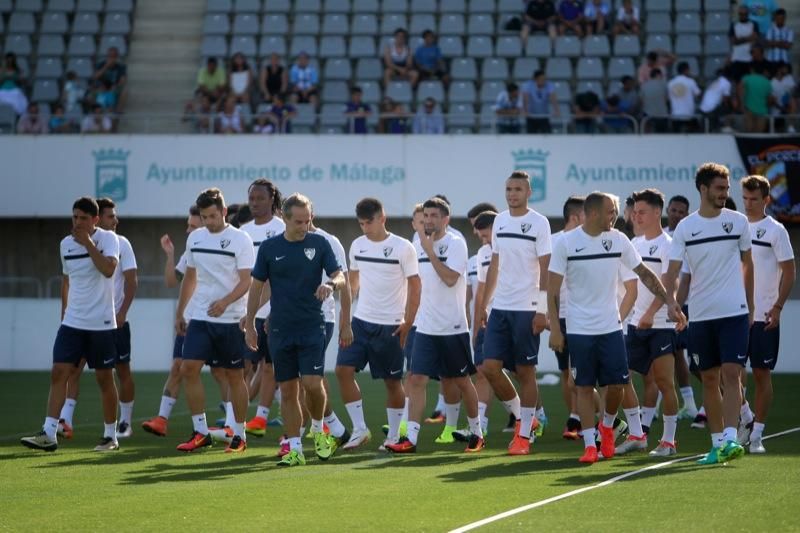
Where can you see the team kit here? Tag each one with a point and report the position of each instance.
(700, 297)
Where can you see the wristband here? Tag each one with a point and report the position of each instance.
(541, 302)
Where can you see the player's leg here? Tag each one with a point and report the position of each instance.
(651, 400)
(349, 360)
(158, 424)
(583, 358)
(109, 399)
(614, 374)
(386, 357)
(663, 371)
(65, 358)
(266, 385)
(127, 389)
(452, 409)
(311, 366)
(497, 346)
(456, 368)
(763, 401)
(636, 342)
(198, 348)
(683, 378)
(65, 419)
(733, 333)
(232, 349)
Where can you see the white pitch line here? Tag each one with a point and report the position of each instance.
(540, 503)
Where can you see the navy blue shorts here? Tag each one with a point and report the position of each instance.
(97, 347)
(263, 345)
(122, 340)
(442, 356)
(646, 345)
(563, 356)
(682, 341)
(509, 338)
(599, 359)
(718, 341)
(377, 345)
(177, 347)
(477, 347)
(408, 349)
(764, 345)
(218, 344)
(296, 354)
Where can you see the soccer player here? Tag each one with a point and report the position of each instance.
(385, 274)
(715, 243)
(264, 201)
(677, 210)
(293, 264)
(650, 336)
(218, 264)
(518, 269)
(89, 258)
(589, 259)
(441, 344)
(773, 261)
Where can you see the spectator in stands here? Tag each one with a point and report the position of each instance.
(304, 81)
(265, 122)
(757, 51)
(778, 41)
(653, 94)
(273, 78)
(199, 112)
(539, 17)
(31, 122)
(760, 12)
(743, 34)
(240, 79)
(717, 103)
(59, 123)
(357, 112)
(428, 60)
(655, 59)
(73, 93)
(570, 17)
(627, 19)
(393, 117)
(509, 108)
(12, 83)
(596, 16)
(755, 94)
(539, 98)
(106, 97)
(613, 121)
(629, 101)
(587, 110)
(429, 119)
(113, 71)
(96, 121)
(230, 118)
(683, 93)
(783, 85)
(283, 112)
(398, 61)
(211, 80)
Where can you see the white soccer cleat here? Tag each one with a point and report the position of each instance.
(383, 448)
(124, 430)
(224, 434)
(358, 438)
(631, 444)
(664, 449)
(756, 446)
(107, 445)
(743, 434)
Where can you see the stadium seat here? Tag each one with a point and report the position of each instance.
(392, 21)
(524, 67)
(365, 6)
(424, 6)
(683, 6)
(658, 41)
(244, 44)
(247, 6)
(590, 86)
(305, 24)
(365, 24)
(214, 46)
(479, 46)
(118, 6)
(688, 22)
(336, 6)
(539, 46)
(494, 68)
(688, 45)
(306, 117)
(331, 115)
(651, 6)
(216, 24)
(18, 44)
(717, 22)
(50, 45)
(30, 6)
(82, 66)
(307, 6)
(120, 24)
(462, 92)
(487, 118)
(21, 22)
(589, 68)
(369, 68)
(596, 46)
(421, 22)
(619, 67)
(6, 6)
(460, 118)
(568, 46)
(463, 68)
(335, 24)
(362, 46)
(277, 24)
(49, 67)
(627, 46)
(562, 91)
(87, 23)
(452, 23)
(371, 90)
(717, 44)
(399, 91)
(558, 68)
(271, 44)
(335, 92)
(277, 6)
(8, 119)
(115, 41)
(394, 6)
(303, 43)
(337, 68)
(717, 5)
(480, 24)
(332, 46)
(60, 6)
(245, 24)
(490, 90)
(694, 66)
(45, 90)
(508, 46)
(658, 23)
(453, 6)
(451, 46)
(711, 64)
(430, 89)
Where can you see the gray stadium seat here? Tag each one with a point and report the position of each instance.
(462, 92)
(119, 6)
(337, 68)
(524, 67)
(214, 46)
(21, 22)
(494, 68)
(614, 87)
(364, 24)
(452, 6)
(590, 86)
(451, 46)
(627, 46)
(651, 6)
(392, 21)
(717, 5)
(371, 90)
(6, 6)
(82, 66)
(480, 24)
(694, 66)
(394, 6)
(508, 46)
(452, 23)
(424, 6)
(277, 24)
(658, 23)
(86, 23)
(711, 64)
(717, 22)
(335, 24)
(245, 44)
(487, 117)
(332, 46)
(8, 119)
(558, 68)
(463, 68)
(365, 6)
(490, 90)
(24, 66)
(219, 6)
(245, 24)
(91, 6)
(277, 6)
(307, 6)
(688, 45)
(335, 91)
(620, 66)
(271, 44)
(567, 46)
(369, 68)
(306, 116)
(539, 46)
(29, 6)
(682, 6)
(18, 44)
(511, 5)
(49, 67)
(116, 41)
(688, 22)
(460, 118)
(590, 68)
(305, 24)
(421, 22)
(717, 44)
(430, 89)
(332, 119)
(502, 21)
(362, 46)
(596, 46)
(45, 90)
(562, 91)
(303, 43)
(61, 6)
(658, 41)
(336, 6)
(399, 91)
(118, 23)
(246, 6)
(479, 46)
(216, 24)
(50, 45)
(485, 6)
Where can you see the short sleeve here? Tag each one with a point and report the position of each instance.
(664, 256)
(626, 274)
(127, 259)
(543, 244)
(745, 239)
(457, 256)
(677, 249)
(111, 246)
(338, 251)
(630, 257)
(329, 262)
(181, 266)
(63, 261)
(261, 268)
(353, 260)
(245, 257)
(495, 247)
(483, 262)
(783, 245)
(408, 261)
(558, 259)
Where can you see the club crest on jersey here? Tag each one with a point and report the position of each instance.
(525, 227)
(727, 226)
(607, 243)
(653, 249)
(696, 358)
(442, 249)
(224, 243)
(387, 251)
(760, 232)
(310, 253)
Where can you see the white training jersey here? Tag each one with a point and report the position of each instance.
(444, 308)
(329, 305)
(484, 260)
(655, 256)
(260, 233)
(771, 245)
(181, 268)
(625, 274)
(127, 261)
(218, 257)
(383, 271)
(519, 242)
(563, 296)
(472, 285)
(591, 268)
(90, 299)
(712, 249)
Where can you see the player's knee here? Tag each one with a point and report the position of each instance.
(105, 378)
(60, 373)
(731, 374)
(762, 376)
(345, 373)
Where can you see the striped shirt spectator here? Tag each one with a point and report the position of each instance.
(779, 39)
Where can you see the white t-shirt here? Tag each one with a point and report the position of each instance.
(127, 261)
(742, 52)
(591, 269)
(472, 284)
(181, 268)
(625, 274)
(90, 300)
(563, 296)
(682, 93)
(771, 245)
(444, 309)
(260, 233)
(329, 305)
(655, 255)
(482, 261)
(712, 249)
(712, 97)
(519, 242)
(218, 257)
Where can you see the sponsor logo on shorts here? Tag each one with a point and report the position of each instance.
(768, 361)
(393, 372)
(625, 376)
(741, 357)
(108, 361)
(279, 258)
(236, 362)
(530, 357)
(665, 346)
(463, 369)
(317, 367)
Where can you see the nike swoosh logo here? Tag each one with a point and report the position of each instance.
(279, 258)
(501, 228)
(666, 346)
(464, 369)
(70, 250)
(695, 234)
(236, 362)
(362, 251)
(741, 357)
(108, 362)
(317, 367)
(580, 249)
(215, 361)
(625, 376)
(197, 242)
(768, 361)
(393, 372)
(531, 357)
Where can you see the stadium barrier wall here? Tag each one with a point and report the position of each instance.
(28, 328)
(158, 175)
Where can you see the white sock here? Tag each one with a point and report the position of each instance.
(634, 422)
(588, 438)
(230, 420)
(278, 395)
(575, 416)
(262, 412)
(68, 410)
(405, 411)
(334, 424)
(440, 404)
(451, 412)
(482, 415)
(717, 440)
(356, 412)
(110, 430)
(648, 413)
(167, 404)
(670, 425)
(200, 424)
(729, 434)
(394, 417)
(758, 431)
(658, 400)
(475, 426)
(413, 432)
(513, 406)
(125, 412)
(746, 413)
(687, 393)
(238, 430)
(702, 410)
(296, 444)
(608, 419)
(540, 413)
(50, 427)
(316, 426)
(526, 421)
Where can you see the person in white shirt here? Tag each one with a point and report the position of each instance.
(715, 244)
(218, 264)
(384, 273)
(89, 258)
(509, 108)
(774, 271)
(516, 279)
(441, 344)
(683, 92)
(589, 259)
(716, 101)
(742, 34)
